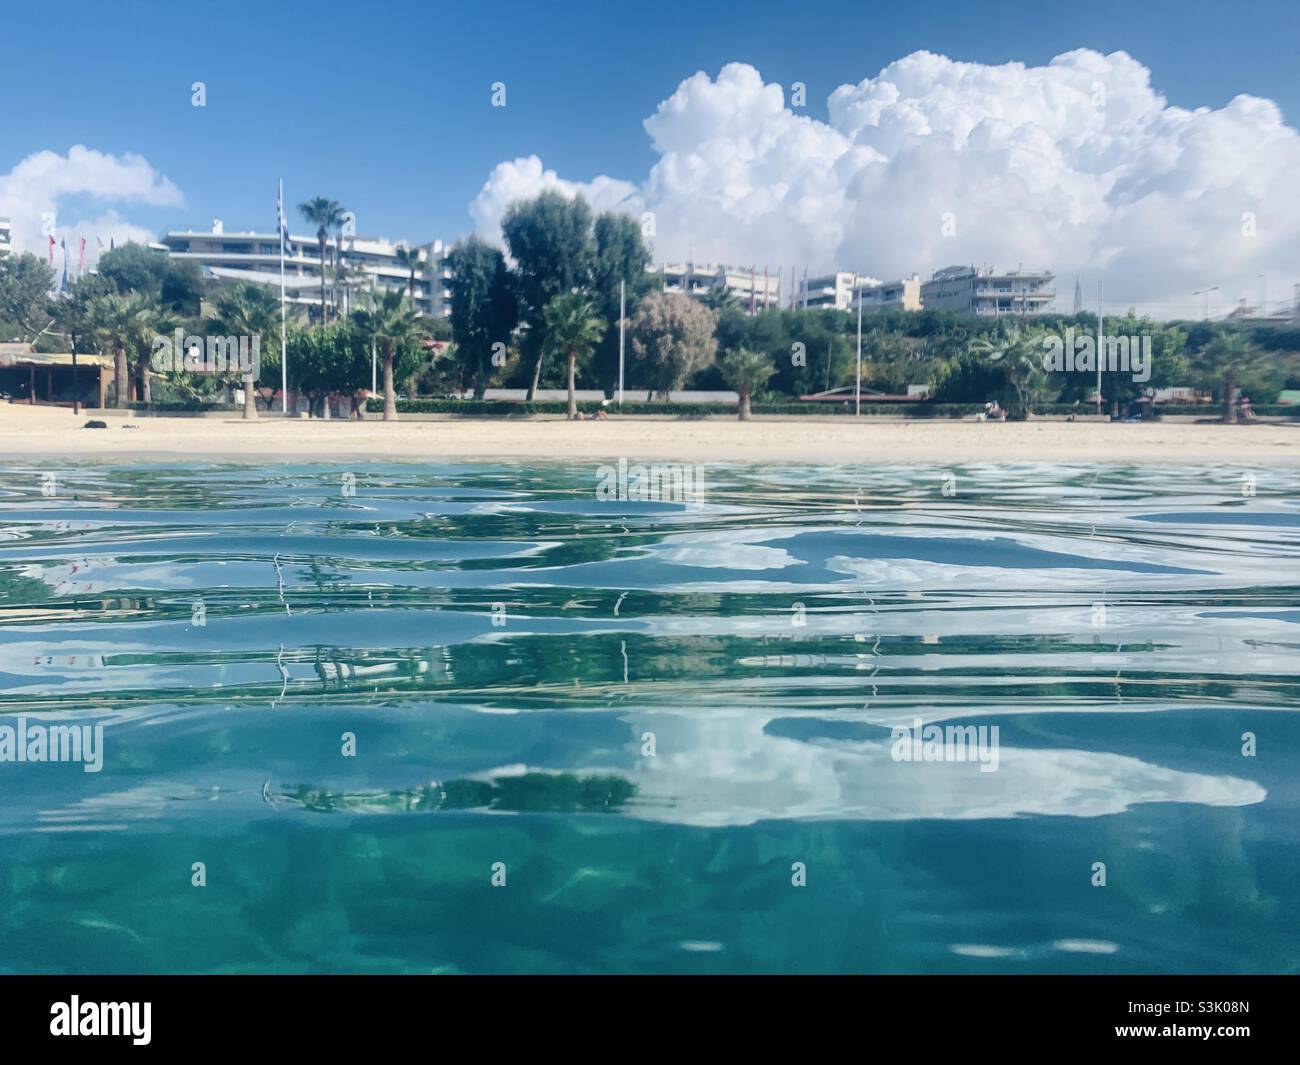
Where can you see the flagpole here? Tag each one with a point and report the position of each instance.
(857, 395)
(1101, 343)
(622, 328)
(284, 350)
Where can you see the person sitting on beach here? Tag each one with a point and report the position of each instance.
(1245, 411)
(994, 413)
(359, 399)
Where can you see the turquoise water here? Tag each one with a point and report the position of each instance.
(651, 719)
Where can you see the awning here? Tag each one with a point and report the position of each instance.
(49, 358)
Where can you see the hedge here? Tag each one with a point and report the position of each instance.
(471, 408)
(925, 409)
(181, 406)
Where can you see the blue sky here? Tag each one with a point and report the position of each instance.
(385, 106)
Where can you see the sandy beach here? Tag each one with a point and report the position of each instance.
(47, 432)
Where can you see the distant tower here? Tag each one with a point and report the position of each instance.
(1078, 296)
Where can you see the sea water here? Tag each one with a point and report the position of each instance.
(485, 718)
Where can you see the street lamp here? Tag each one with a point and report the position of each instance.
(1206, 293)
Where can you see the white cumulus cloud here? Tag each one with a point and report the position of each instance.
(524, 178)
(34, 195)
(1080, 166)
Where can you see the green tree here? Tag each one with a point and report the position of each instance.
(390, 322)
(672, 338)
(154, 320)
(177, 284)
(324, 214)
(25, 283)
(120, 320)
(246, 309)
(408, 259)
(483, 309)
(1018, 352)
(620, 255)
(550, 241)
(324, 359)
(1233, 356)
(573, 328)
(72, 311)
(722, 298)
(747, 372)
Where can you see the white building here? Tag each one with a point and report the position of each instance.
(352, 263)
(830, 291)
(751, 287)
(902, 295)
(5, 238)
(985, 291)
(836, 292)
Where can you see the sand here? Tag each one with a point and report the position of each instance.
(34, 433)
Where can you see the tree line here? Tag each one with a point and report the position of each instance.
(544, 311)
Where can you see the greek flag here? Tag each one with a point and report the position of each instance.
(283, 223)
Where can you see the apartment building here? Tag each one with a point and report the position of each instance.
(751, 287)
(353, 264)
(830, 291)
(6, 239)
(983, 290)
(901, 295)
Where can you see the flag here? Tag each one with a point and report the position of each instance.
(111, 245)
(63, 285)
(282, 222)
(51, 249)
(100, 242)
(82, 268)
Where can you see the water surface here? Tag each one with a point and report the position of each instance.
(651, 718)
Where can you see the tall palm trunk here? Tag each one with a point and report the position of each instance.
(323, 237)
(573, 395)
(144, 388)
(537, 376)
(744, 406)
(390, 397)
(119, 374)
(1229, 407)
(250, 398)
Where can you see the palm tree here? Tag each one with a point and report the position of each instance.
(248, 310)
(1231, 354)
(409, 259)
(119, 320)
(391, 322)
(574, 328)
(153, 321)
(721, 298)
(746, 371)
(322, 213)
(1019, 352)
